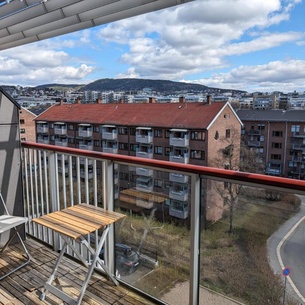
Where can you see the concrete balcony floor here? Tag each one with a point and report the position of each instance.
(24, 286)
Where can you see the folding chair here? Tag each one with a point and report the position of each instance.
(8, 222)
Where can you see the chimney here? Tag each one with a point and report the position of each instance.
(99, 101)
(151, 100)
(181, 99)
(209, 99)
(121, 101)
(61, 102)
(78, 101)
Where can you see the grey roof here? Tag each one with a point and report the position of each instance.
(275, 115)
(23, 22)
(9, 97)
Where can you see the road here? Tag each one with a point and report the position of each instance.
(286, 248)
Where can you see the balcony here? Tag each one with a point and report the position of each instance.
(60, 128)
(43, 140)
(144, 135)
(42, 127)
(109, 132)
(86, 146)
(144, 184)
(253, 132)
(85, 130)
(179, 157)
(176, 177)
(141, 171)
(179, 138)
(254, 143)
(172, 229)
(177, 193)
(110, 147)
(145, 151)
(61, 142)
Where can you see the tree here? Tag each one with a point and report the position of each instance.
(234, 155)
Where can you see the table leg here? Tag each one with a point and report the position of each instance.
(55, 269)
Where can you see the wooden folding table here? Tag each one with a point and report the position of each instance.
(75, 223)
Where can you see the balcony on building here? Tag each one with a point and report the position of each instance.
(297, 134)
(145, 151)
(85, 144)
(109, 132)
(254, 143)
(43, 139)
(179, 155)
(42, 127)
(60, 128)
(180, 178)
(61, 141)
(179, 209)
(179, 192)
(85, 130)
(273, 169)
(144, 135)
(298, 158)
(298, 146)
(179, 138)
(110, 146)
(254, 132)
(142, 171)
(144, 184)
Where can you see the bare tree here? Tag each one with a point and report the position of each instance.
(234, 156)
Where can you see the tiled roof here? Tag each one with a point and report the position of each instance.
(171, 115)
(275, 115)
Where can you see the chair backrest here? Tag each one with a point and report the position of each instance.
(3, 203)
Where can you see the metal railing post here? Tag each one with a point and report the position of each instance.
(195, 240)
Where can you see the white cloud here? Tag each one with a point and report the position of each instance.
(277, 75)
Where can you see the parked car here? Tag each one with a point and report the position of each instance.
(127, 260)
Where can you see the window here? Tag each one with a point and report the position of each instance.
(227, 116)
(158, 133)
(276, 157)
(198, 135)
(295, 128)
(261, 138)
(134, 147)
(216, 137)
(96, 128)
(276, 145)
(23, 139)
(123, 146)
(96, 143)
(158, 183)
(261, 126)
(22, 130)
(198, 154)
(71, 140)
(168, 151)
(70, 127)
(122, 130)
(22, 121)
(167, 133)
(228, 133)
(158, 150)
(277, 133)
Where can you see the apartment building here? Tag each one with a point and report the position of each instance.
(27, 125)
(278, 137)
(179, 132)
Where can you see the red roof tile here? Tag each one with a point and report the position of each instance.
(171, 115)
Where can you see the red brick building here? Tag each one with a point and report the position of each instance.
(179, 132)
(27, 125)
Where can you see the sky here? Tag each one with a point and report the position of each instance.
(256, 45)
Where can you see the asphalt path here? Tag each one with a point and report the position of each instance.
(286, 249)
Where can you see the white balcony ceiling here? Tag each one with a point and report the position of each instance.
(26, 21)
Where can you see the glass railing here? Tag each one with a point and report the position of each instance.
(230, 239)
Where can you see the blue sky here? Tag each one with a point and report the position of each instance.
(256, 45)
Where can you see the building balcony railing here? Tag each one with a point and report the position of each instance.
(188, 237)
(298, 147)
(179, 142)
(253, 132)
(42, 129)
(110, 150)
(178, 194)
(141, 171)
(176, 177)
(144, 154)
(298, 135)
(254, 143)
(298, 158)
(43, 140)
(179, 158)
(85, 146)
(146, 139)
(63, 143)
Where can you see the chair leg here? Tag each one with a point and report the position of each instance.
(25, 250)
